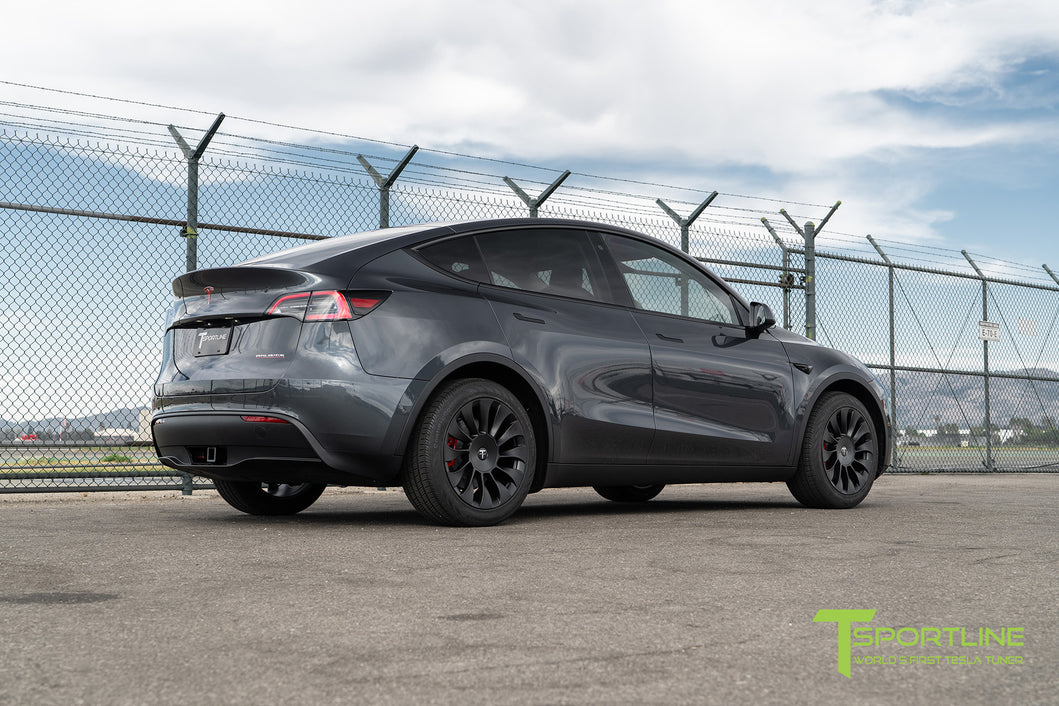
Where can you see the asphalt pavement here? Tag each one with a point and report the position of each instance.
(706, 594)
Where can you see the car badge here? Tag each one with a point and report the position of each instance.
(209, 293)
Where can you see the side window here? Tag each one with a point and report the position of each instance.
(458, 256)
(659, 281)
(552, 261)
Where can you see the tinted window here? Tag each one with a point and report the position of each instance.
(561, 262)
(660, 281)
(458, 256)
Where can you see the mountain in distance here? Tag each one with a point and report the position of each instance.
(927, 400)
(125, 418)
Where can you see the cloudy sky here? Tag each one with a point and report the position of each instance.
(933, 122)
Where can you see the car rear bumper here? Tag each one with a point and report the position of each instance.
(226, 446)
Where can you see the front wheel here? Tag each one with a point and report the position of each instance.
(269, 498)
(840, 454)
(472, 457)
(628, 493)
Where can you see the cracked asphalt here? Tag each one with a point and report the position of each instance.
(706, 594)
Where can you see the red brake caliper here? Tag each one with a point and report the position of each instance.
(452, 445)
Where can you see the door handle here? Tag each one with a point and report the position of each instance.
(529, 319)
(670, 338)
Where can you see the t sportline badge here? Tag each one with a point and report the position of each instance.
(849, 637)
(212, 341)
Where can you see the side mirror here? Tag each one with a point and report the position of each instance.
(761, 317)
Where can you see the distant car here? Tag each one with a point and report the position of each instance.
(28, 437)
(474, 363)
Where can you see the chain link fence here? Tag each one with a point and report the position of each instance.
(91, 240)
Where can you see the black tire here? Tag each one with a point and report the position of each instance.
(269, 498)
(840, 454)
(472, 457)
(628, 493)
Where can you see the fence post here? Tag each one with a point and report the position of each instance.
(786, 279)
(893, 340)
(985, 366)
(191, 230)
(384, 183)
(685, 223)
(535, 203)
(1051, 273)
(685, 239)
(809, 235)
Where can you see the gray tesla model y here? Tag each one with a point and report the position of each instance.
(473, 363)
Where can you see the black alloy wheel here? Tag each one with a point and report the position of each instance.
(848, 452)
(269, 498)
(839, 459)
(472, 459)
(485, 453)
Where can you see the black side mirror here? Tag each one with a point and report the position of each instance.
(761, 317)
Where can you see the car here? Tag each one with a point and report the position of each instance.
(27, 438)
(474, 363)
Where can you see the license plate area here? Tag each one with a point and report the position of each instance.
(212, 341)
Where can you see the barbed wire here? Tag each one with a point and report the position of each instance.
(91, 125)
(347, 136)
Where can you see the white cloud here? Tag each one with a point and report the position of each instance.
(796, 89)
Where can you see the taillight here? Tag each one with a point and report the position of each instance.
(326, 306)
(290, 305)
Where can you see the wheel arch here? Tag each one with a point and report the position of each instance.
(503, 372)
(862, 392)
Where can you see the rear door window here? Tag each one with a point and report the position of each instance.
(547, 260)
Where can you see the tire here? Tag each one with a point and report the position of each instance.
(628, 493)
(472, 456)
(269, 498)
(840, 455)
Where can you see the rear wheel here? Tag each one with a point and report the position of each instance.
(839, 458)
(472, 457)
(269, 498)
(628, 493)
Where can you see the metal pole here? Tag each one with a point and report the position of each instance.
(985, 366)
(786, 279)
(685, 239)
(810, 280)
(191, 229)
(535, 203)
(809, 234)
(893, 338)
(1051, 273)
(384, 183)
